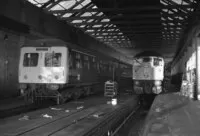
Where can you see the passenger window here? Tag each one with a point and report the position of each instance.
(78, 61)
(52, 59)
(86, 62)
(30, 59)
(70, 61)
(94, 63)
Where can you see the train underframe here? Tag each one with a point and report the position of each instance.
(147, 86)
(148, 90)
(60, 93)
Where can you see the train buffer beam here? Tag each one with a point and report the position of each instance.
(74, 119)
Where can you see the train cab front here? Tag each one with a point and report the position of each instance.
(42, 70)
(147, 86)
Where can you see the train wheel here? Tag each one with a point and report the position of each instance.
(29, 96)
(60, 99)
(77, 95)
(87, 91)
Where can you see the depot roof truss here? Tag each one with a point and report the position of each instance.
(88, 17)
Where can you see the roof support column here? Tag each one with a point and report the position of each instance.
(197, 89)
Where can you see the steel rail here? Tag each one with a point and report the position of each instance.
(124, 122)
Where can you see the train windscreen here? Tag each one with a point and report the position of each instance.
(53, 59)
(146, 60)
(30, 59)
(157, 62)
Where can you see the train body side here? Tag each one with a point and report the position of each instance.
(61, 71)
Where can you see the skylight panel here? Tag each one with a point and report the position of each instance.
(77, 21)
(165, 10)
(97, 26)
(175, 10)
(67, 4)
(82, 26)
(162, 2)
(89, 21)
(105, 20)
(94, 7)
(190, 9)
(33, 2)
(78, 7)
(170, 18)
(67, 15)
(38, 1)
(100, 14)
(109, 30)
(85, 2)
(93, 13)
(180, 2)
(90, 30)
(55, 14)
(57, 7)
(180, 18)
(162, 18)
(99, 37)
(86, 14)
(170, 12)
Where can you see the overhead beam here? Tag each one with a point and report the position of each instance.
(41, 23)
(133, 22)
(124, 32)
(134, 8)
(138, 16)
(120, 22)
(129, 27)
(110, 30)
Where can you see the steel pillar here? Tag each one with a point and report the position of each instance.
(197, 89)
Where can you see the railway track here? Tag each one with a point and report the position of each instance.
(83, 121)
(32, 107)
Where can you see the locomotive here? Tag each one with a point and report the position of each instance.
(148, 73)
(51, 68)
